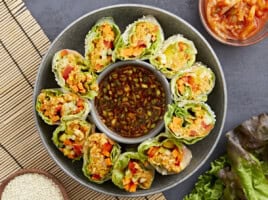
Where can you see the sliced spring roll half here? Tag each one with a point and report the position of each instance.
(53, 106)
(132, 171)
(166, 154)
(176, 53)
(189, 121)
(194, 83)
(69, 137)
(73, 74)
(140, 40)
(100, 43)
(100, 154)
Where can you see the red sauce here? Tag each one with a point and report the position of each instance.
(236, 19)
(131, 101)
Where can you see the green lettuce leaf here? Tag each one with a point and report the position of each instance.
(209, 186)
(247, 168)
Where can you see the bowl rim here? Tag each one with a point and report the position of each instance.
(169, 186)
(160, 125)
(203, 18)
(33, 171)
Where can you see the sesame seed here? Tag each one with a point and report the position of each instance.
(31, 186)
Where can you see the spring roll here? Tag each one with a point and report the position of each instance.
(132, 171)
(54, 106)
(100, 42)
(72, 73)
(100, 154)
(189, 121)
(140, 40)
(194, 83)
(69, 137)
(175, 54)
(166, 154)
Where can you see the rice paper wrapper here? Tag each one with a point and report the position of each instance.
(149, 45)
(121, 166)
(194, 83)
(73, 74)
(67, 110)
(69, 137)
(165, 145)
(88, 157)
(65, 58)
(175, 54)
(189, 121)
(102, 38)
(48, 93)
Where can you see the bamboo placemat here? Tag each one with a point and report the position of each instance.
(22, 45)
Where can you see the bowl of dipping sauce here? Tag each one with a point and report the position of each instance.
(131, 102)
(235, 22)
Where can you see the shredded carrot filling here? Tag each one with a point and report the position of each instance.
(199, 83)
(167, 157)
(100, 155)
(78, 80)
(145, 34)
(136, 176)
(73, 139)
(192, 127)
(101, 55)
(54, 107)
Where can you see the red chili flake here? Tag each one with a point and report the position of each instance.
(78, 149)
(95, 176)
(108, 44)
(131, 167)
(66, 72)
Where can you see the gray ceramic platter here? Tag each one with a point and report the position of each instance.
(73, 38)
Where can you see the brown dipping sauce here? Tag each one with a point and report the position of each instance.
(131, 101)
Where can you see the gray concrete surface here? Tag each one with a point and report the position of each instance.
(245, 68)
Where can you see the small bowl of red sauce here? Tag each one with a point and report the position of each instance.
(235, 22)
(131, 101)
